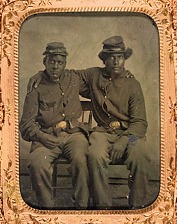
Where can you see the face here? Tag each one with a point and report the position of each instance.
(115, 64)
(55, 65)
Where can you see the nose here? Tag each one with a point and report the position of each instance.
(55, 65)
(116, 60)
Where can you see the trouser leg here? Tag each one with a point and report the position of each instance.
(137, 162)
(98, 160)
(41, 170)
(75, 150)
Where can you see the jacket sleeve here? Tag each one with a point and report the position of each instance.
(137, 113)
(84, 76)
(29, 128)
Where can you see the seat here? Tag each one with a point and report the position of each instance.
(116, 176)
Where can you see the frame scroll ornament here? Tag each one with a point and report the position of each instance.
(12, 207)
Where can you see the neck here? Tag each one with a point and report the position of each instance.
(115, 76)
(57, 80)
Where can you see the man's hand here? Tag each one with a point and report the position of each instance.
(34, 81)
(118, 148)
(49, 140)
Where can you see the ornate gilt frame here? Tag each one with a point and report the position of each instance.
(12, 207)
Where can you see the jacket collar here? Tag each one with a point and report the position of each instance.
(108, 76)
(46, 80)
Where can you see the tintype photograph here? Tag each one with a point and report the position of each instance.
(89, 111)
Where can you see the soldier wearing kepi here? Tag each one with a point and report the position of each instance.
(49, 120)
(119, 110)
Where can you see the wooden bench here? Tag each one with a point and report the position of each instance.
(118, 174)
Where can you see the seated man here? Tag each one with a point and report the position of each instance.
(119, 110)
(49, 120)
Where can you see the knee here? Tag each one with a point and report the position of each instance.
(80, 160)
(97, 156)
(79, 141)
(98, 146)
(38, 162)
(137, 157)
(95, 138)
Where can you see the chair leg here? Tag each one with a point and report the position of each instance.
(54, 180)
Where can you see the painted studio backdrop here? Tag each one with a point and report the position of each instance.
(82, 35)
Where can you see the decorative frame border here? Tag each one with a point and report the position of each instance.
(12, 207)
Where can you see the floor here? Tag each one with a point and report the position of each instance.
(63, 196)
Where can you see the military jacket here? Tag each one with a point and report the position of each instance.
(50, 103)
(120, 100)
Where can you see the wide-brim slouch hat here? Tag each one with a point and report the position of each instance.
(114, 45)
(55, 48)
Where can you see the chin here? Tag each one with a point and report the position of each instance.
(117, 73)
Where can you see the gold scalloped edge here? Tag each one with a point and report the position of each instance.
(171, 170)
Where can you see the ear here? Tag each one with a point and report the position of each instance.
(128, 53)
(44, 60)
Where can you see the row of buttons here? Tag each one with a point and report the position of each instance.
(63, 95)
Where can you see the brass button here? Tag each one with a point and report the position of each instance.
(63, 115)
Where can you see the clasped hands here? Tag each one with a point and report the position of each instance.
(118, 148)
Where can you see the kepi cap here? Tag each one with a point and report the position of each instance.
(55, 48)
(113, 45)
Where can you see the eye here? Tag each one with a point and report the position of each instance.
(60, 62)
(121, 57)
(52, 62)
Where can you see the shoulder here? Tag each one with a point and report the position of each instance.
(129, 75)
(131, 78)
(71, 74)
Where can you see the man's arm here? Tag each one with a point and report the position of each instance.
(28, 125)
(84, 76)
(137, 127)
(83, 82)
(137, 113)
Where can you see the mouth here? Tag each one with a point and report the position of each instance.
(54, 74)
(116, 68)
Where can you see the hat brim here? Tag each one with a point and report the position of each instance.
(55, 53)
(105, 53)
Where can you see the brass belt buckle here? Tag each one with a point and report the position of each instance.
(61, 124)
(114, 124)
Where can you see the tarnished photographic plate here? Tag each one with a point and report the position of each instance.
(149, 28)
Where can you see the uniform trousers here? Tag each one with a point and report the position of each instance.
(136, 160)
(74, 147)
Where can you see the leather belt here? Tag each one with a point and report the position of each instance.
(115, 125)
(61, 124)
